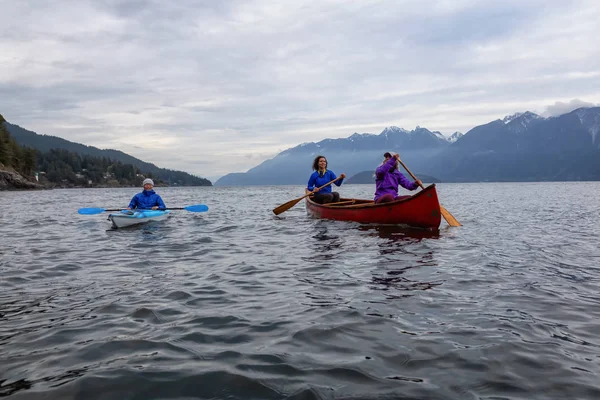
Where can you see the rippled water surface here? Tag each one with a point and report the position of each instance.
(238, 303)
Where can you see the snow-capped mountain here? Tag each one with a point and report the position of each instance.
(392, 130)
(519, 147)
(455, 136)
(358, 152)
(439, 135)
(520, 122)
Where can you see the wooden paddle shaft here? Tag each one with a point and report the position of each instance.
(327, 184)
(292, 203)
(411, 174)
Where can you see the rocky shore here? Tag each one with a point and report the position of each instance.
(10, 180)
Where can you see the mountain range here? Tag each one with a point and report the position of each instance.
(369, 177)
(519, 147)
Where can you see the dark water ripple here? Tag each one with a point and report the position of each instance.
(239, 303)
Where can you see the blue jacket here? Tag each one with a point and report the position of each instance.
(387, 179)
(316, 180)
(147, 199)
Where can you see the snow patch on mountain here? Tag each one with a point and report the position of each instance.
(357, 135)
(510, 118)
(581, 114)
(393, 129)
(519, 122)
(439, 135)
(594, 131)
(455, 136)
(590, 118)
(526, 117)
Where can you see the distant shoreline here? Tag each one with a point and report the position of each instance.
(13, 181)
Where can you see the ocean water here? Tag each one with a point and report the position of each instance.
(237, 303)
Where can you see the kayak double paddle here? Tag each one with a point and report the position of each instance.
(98, 210)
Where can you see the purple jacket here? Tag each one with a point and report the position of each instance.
(387, 179)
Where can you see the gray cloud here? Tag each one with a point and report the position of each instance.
(560, 107)
(217, 87)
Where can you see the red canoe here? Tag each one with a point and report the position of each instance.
(421, 210)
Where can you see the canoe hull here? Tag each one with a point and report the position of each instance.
(421, 210)
(125, 219)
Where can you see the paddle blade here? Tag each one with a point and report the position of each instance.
(449, 217)
(196, 208)
(286, 206)
(91, 210)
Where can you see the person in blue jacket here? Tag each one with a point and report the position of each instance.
(148, 199)
(388, 178)
(320, 177)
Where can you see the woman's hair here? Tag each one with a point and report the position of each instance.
(316, 163)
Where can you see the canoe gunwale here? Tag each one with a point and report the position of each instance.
(371, 203)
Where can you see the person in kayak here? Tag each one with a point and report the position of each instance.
(320, 177)
(148, 199)
(388, 178)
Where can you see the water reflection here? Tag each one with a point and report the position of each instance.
(8, 389)
(326, 245)
(13, 387)
(400, 233)
(406, 253)
(397, 286)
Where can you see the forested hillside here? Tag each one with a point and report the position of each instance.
(64, 168)
(46, 143)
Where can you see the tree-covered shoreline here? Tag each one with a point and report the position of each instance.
(60, 168)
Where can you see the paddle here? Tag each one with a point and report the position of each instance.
(447, 216)
(292, 203)
(97, 210)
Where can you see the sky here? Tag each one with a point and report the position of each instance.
(213, 87)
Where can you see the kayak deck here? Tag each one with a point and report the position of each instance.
(127, 218)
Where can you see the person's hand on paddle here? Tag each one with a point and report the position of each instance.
(155, 208)
(342, 176)
(315, 190)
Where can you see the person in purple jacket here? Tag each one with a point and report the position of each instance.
(320, 177)
(387, 179)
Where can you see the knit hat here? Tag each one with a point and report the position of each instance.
(148, 180)
(387, 155)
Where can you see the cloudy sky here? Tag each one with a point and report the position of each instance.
(212, 87)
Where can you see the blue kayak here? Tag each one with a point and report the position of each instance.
(127, 218)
